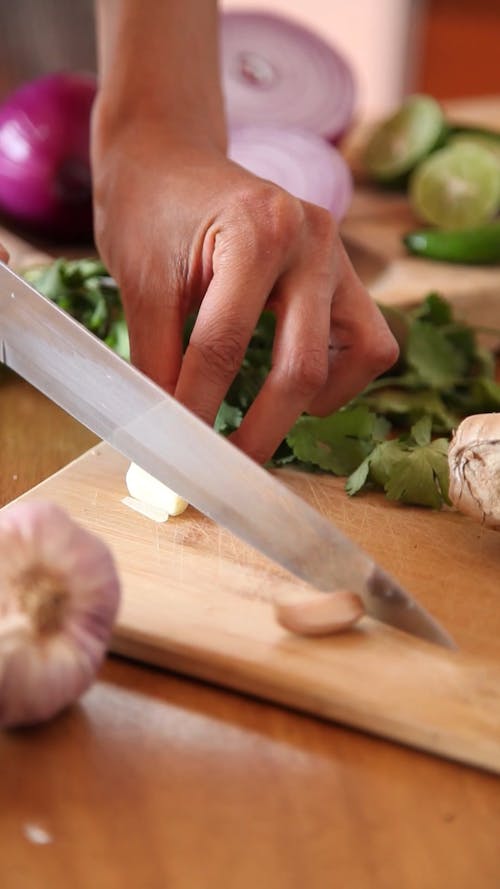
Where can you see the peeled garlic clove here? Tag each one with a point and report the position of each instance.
(59, 595)
(474, 463)
(319, 614)
(147, 489)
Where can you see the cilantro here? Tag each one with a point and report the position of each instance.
(421, 432)
(407, 406)
(435, 310)
(83, 288)
(228, 419)
(386, 438)
(256, 364)
(117, 338)
(441, 373)
(481, 395)
(436, 360)
(339, 442)
(412, 469)
(421, 476)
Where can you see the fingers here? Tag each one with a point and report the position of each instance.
(299, 365)
(249, 255)
(225, 323)
(259, 244)
(4, 256)
(331, 341)
(156, 340)
(361, 344)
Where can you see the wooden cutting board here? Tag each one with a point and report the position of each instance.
(199, 601)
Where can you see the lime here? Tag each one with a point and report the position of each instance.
(457, 187)
(492, 143)
(404, 138)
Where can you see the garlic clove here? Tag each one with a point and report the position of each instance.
(148, 490)
(59, 596)
(474, 464)
(319, 614)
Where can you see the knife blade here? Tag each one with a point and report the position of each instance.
(77, 371)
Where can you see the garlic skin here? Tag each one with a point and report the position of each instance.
(319, 614)
(147, 489)
(59, 595)
(474, 463)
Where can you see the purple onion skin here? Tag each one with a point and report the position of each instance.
(45, 179)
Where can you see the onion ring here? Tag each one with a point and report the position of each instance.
(300, 162)
(276, 71)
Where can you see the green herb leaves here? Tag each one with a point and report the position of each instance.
(412, 469)
(393, 436)
(442, 372)
(340, 442)
(433, 357)
(83, 288)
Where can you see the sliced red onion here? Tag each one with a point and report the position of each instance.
(276, 71)
(302, 163)
(45, 180)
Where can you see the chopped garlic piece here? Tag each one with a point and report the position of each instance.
(150, 512)
(144, 487)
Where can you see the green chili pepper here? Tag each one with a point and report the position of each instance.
(474, 246)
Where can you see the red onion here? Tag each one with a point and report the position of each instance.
(45, 180)
(302, 163)
(276, 71)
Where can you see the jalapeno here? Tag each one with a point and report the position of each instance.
(474, 246)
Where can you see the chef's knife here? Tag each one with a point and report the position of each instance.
(82, 375)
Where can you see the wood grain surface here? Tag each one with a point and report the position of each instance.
(198, 600)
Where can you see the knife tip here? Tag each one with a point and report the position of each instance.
(390, 603)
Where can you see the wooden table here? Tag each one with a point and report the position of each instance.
(158, 782)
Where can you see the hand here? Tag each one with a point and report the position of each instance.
(4, 256)
(181, 227)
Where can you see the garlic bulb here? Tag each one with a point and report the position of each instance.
(474, 462)
(59, 594)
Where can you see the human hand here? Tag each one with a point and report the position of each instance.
(4, 256)
(181, 227)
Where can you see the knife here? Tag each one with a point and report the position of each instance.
(77, 371)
